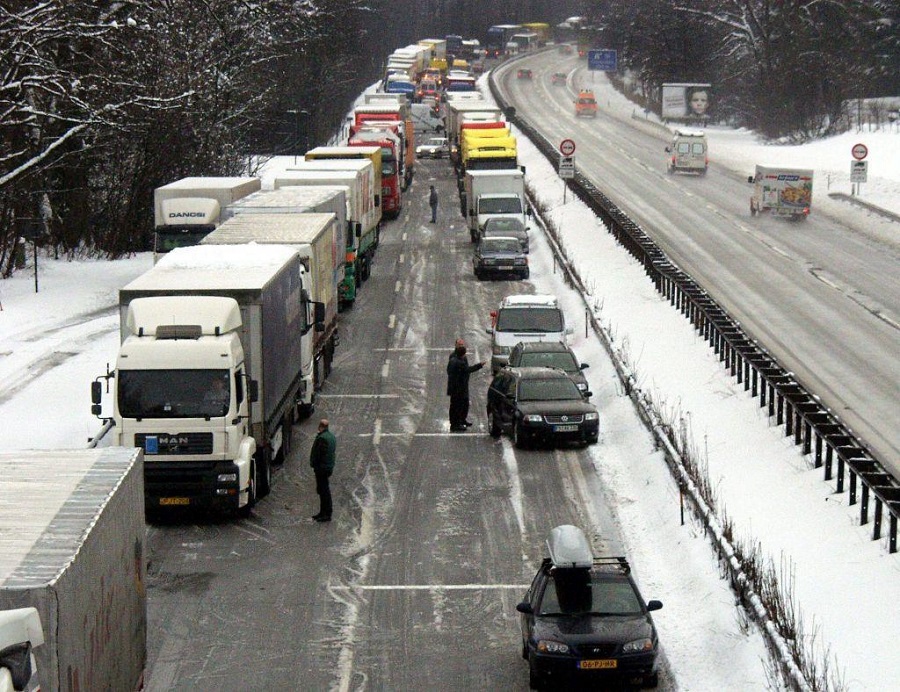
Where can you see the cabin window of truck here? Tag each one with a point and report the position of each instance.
(170, 393)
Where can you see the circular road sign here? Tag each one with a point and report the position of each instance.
(567, 147)
(859, 151)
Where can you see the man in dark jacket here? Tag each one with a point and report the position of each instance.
(433, 203)
(321, 458)
(458, 371)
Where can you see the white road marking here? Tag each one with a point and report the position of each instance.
(359, 396)
(386, 369)
(376, 434)
(434, 434)
(397, 287)
(391, 321)
(401, 259)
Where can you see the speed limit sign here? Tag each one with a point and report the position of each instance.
(859, 151)
(567, 147)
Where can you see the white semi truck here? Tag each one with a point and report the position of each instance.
(210, 372)
(188, 209)
(319, 238)
(494, 193)
(73, 558)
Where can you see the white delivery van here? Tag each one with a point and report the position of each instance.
(688, 152)
(523, 318)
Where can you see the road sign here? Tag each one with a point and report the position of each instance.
(566, 167)
(859, 151)
(858, 171)
(603, 60)
(567, 147)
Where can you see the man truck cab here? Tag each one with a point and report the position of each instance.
(688, 152)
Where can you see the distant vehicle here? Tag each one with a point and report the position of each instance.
(558, 79)
(781, 191)
(586, 104)
(549, 354)
(540, 405)
(435, 148)
(506, 226)
(499, 255)
(688, 152)
(566, 48)
(478, 67)
(524, 73)
(584, 619)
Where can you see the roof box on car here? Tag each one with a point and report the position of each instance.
(529, 299)
(569, 548)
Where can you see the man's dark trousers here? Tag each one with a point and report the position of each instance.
(324, 491)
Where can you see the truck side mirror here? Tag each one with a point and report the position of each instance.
(358, 230)
(749, 178)
(377, 200)
(96, 392)
(253, 391)
(529, 211)
(668, 150)
(319, 315)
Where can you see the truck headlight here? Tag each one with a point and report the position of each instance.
(226, 478)
(593, 415)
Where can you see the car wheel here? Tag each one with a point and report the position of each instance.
(493, 424)
(479, 275)
(518, 436)
(526, 274)
(535, 682)
(651, 681)
(524, 650)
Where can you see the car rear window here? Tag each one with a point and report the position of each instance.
(557, 359)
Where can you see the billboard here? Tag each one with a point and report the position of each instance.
(686, 101)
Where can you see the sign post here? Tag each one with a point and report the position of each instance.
(566, 162)
(858, 167)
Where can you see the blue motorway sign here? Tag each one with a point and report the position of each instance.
(604, 60)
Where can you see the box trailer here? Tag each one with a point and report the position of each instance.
(73, 546)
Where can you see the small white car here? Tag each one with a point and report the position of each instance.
(434, 147)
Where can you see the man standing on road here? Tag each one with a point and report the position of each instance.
(321, 458)
(433, 201)
(458, 371)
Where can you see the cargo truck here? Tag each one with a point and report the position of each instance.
(311, 199)
(781, 191)
(362, 214)
(396, 117)
(188, 209)
(494, 193)
(209, 373)
(342, 153)
(73, 548)
(392, 172)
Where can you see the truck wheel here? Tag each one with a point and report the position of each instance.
(518, 436)
(365, 269)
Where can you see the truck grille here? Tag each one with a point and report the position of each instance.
(174, 444)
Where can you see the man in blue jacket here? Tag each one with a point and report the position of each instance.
(321, 459)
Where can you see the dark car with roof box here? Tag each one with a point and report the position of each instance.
(506, 226)
(550, 354)
(584, 620)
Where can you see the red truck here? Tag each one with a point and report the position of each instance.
(390, 146)
(399, 118)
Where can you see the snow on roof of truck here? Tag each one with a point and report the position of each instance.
(536, 299)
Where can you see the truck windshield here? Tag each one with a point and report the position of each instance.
(527, 319)
(168, 239)
(500, 205)
(173, 393)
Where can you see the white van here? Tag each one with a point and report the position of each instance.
(523, 318)
(688, 152)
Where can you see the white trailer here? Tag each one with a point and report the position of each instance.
(73, 547)
(188, 209)
(781, 191)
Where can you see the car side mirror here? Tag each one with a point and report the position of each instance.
(654, 605)
(749, 178)
(588, 395)
(525, 608)
(570, 330)
(583, 366)
(488, 330)
(668, 151)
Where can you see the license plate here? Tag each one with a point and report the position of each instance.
(170, 501)
(506, 267)
(597, 664)
(565, 428)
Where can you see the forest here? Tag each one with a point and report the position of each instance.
(102, 101)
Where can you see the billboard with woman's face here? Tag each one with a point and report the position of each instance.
(686, 101)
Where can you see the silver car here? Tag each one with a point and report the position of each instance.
(506, 226)
(434, 148)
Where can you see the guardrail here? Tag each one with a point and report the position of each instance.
(833, 447)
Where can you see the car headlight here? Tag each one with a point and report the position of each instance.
(581, 385)
(501, 350)
(548, 646)
(637, 646)
(534, 418)
(593, 415)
